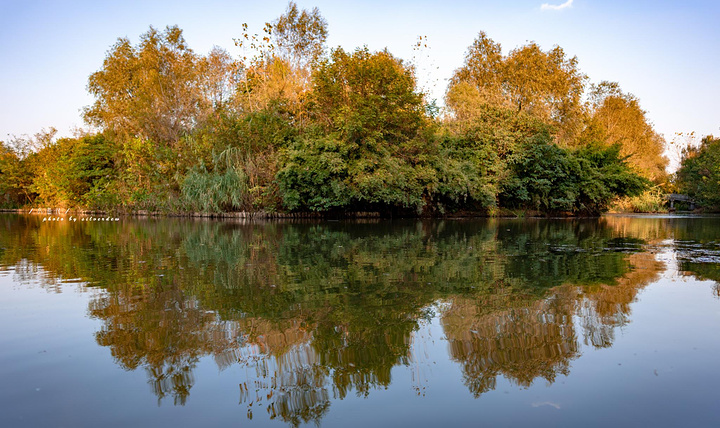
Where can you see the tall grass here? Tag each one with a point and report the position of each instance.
(650, 201)
(224, 188)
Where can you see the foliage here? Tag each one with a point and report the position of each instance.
(77, 172)
(149, 91)
(650, 201)
(365, 148)
(322, 174)
(15, 178)
(300, 35)
(367, 98)
(552, 179)
(225, 188)
(699, 173)
(475, 154)
(616, 118)
(546, 85)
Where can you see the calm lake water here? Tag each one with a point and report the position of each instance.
(602, 322)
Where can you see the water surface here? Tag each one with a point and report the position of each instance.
(609, 321)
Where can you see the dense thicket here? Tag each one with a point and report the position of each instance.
(293, 126)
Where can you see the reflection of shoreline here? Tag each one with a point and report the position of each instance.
(526, 340)
(321, 310)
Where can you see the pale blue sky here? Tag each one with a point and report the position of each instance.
(667, 53)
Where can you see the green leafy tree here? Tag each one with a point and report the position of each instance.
(475, 156)
(549, 178)
(367, 146)
(699, 173)
(76, 172)
(366, 98)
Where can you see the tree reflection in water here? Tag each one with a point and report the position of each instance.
(317, 311)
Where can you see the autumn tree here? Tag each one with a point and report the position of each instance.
(15, 178)
(218, 77)
(277, 65)
(300, 35)
(149, 91)
(616, 118)
(367, 148)
(544, 84)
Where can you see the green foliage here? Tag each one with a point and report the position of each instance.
(368, 98)
(75, 172)
(365, 149)
(225, 188)
(90, 173)
(699, 173)
(552, 179)
(476, 153)
(325, 174)
(145, 175)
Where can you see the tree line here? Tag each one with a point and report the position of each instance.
(291, 125)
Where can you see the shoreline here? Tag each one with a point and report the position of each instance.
(265, 215)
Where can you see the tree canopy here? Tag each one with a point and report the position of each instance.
(547, 85)
(289, 125)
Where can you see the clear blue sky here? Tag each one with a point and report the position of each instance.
(667, 53)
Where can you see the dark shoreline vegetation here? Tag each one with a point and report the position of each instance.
(295, 128)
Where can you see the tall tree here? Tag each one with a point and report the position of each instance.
(151, 90)
(616, 118)
(699, 173)
(300, 35)
(276, 70)
(367, 97)
(368, 149)
(547, 85)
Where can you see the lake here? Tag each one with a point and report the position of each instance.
(485, 322)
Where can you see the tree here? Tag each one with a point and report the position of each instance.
(549, 178)
(367, 98)
(300, 35)
(21, 160)
(616, 118)
(74, 172)
(476, 154)
(277, 66)
(699, 173)
(15, 178)
(547, 85)
(218, 77)
(150, 91)
(365, 147)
